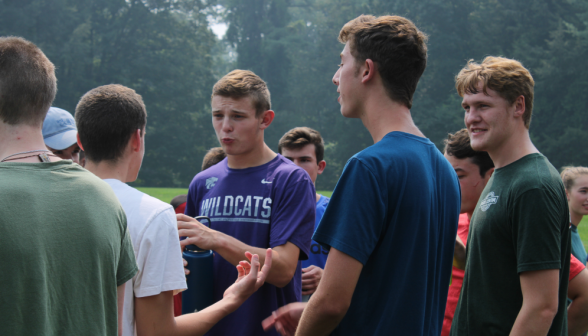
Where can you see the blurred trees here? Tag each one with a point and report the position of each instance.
(165, 50)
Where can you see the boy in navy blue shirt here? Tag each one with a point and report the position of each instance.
(306, 148)
(392, 219)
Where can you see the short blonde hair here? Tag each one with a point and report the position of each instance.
(569, 175)
(508, 77)
(243, 83)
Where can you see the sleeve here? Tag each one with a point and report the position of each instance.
(355, 217)
(127, 266)
(292, 218)
(159, 257)
(576, 267)
(536, 231)
(191, 201)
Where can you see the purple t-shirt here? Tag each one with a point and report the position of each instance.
(264, 206)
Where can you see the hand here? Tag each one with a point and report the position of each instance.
(285, 319)
(311, 276)
(196, 233)
(186, 270)
(249, 278)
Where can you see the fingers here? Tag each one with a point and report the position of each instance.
(248, 255)
(240, 271)
(308, 269)
(267, 265)
(269, 322)
(246, 266)
(254, 266)
(186, 270)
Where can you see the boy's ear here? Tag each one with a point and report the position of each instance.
(266, 119)
(136, 140)
(80, 142)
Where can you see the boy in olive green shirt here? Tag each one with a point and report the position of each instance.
(518, 248)
(65, 253)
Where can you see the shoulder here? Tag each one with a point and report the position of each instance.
(535, 172)
(210, 175)
(284, 171)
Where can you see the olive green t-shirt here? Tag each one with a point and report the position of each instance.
(64, 249)
(520, 224)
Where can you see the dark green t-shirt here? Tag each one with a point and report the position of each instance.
(64, 249)
(520, 224)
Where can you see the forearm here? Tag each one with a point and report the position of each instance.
(201, 322)
(578, 317)
(317, 319)
(459, 255)
(532, 321)
(233, 250)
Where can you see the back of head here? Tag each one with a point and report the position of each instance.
(243, 83)
(212, 157)
(106, 117)
(299, 137)
(569, 175)
(395, 45)
(508, 77)
(27, 82)
(458, 145)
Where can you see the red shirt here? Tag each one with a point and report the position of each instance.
(457, 276)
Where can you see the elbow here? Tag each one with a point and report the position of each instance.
(549, 310)
(281, 279)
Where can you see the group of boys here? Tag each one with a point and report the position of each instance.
(389, 229)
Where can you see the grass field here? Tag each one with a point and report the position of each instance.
(166, 195)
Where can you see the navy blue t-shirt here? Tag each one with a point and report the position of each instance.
(318, 254)
(395, 209)
(264, 206)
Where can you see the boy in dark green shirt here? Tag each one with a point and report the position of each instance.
(518, 249)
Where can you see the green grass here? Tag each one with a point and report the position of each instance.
(166, 194)
(583, 231)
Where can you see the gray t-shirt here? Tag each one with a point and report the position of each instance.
(64, 249)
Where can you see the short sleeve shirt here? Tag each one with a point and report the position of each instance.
(395, 209)
(263, 206)
(520, 224)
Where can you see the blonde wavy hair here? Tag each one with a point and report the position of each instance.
(508, 77)
(569, 175)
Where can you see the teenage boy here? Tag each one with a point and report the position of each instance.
(518, 255)
(111, 120)
(306, 148)
(395, 208)
(474, 169)
(63, 272)
(255, 199)
(60, 134)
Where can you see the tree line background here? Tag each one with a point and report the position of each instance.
(166, 51)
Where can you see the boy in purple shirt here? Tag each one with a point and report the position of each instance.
(255, 199)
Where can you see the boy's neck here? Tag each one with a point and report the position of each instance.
(21, 138)
(108, 170)
(514, 148)
(382, 115)
(257, 157)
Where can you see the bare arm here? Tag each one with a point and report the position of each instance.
(540, 302)
(284, 257)
(120, 300)
(154, 314)
(578, 309)
(459, 255)
(330, 302)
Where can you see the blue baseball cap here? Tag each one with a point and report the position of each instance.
(59, 129)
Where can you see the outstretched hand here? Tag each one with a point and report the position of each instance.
(250, 278)
(285, 319)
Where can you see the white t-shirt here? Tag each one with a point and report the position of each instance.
(154, 232)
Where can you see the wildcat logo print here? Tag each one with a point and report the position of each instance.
(210, 182)
(488, 201)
